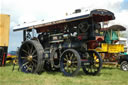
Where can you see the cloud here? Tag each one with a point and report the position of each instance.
(32, 10)
(52, 8)
(122, 17)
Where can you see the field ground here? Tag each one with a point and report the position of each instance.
(107, 76)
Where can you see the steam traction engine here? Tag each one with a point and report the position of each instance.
(62, 44)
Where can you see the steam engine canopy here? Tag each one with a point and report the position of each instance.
(100, 15)
(97, 15)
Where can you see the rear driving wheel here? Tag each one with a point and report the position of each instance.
(70, 62)
(31, 57)
(94, 64)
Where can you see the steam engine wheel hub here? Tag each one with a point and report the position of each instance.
(29, 58)
(69, 63)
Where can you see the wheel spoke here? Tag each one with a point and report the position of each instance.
(74, 58)
(73, 68)
(28, 46)
(33, 64)
(25, 51)
(28, 68)
(23, 57)
(70, 69)
(67, 57)
(33, 52)
(71, 57)
(31, 49)
(66, 68)
(74, 62)
(31, 67)
(24, 64)
(73, 65)
(91, 69)
(34, 60)
(34, 56)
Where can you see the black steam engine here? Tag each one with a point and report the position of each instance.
(62, 44)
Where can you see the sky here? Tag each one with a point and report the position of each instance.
(33, 10)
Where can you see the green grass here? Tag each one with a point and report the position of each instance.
(107, 76)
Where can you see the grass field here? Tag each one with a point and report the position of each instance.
(107, 76)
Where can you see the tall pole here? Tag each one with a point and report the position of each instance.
(24, 35)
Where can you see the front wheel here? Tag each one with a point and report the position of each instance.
(124, 66)
(70, 62)
(94, 64)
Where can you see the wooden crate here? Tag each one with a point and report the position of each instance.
(4, 29)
